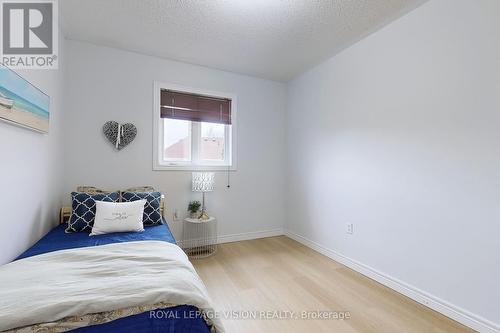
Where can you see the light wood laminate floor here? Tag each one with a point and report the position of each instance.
(280, 274)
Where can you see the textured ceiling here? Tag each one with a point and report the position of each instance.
(274, 39)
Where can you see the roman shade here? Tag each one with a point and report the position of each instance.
(193, 107)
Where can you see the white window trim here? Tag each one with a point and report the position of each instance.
(158, 129)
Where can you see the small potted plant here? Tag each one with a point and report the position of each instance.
(194, 208)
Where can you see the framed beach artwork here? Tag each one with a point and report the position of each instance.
(22, 103)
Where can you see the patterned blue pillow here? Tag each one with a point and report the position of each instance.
(152, 214)
(83, 209)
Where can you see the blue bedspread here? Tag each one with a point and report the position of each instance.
(179, 319)
(57, 239)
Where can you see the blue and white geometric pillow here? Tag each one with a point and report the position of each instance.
(152, 214)
(83, 209)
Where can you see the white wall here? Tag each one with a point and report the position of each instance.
(109, 84)
(400, 135)
(31, 173)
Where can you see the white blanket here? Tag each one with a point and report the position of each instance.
(75, 282)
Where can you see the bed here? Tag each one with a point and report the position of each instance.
(175, 318)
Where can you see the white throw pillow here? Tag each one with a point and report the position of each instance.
(118, 217)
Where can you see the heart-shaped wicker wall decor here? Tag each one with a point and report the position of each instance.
(119, 135)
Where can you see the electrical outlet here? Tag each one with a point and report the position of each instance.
(350, 228)
(176, 215)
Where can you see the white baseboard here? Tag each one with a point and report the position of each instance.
(452, 311)
(249, 235)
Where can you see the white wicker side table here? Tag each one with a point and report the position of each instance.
(199, 237)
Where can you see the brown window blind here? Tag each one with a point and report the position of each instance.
(186, 106)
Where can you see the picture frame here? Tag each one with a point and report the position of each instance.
(22, 103)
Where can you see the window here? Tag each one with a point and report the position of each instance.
(195, 143)
(193, 130)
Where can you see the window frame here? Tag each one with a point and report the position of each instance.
(159, 164)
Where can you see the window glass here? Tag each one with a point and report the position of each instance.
(212, 142)
(176, 140)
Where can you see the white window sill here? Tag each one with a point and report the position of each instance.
(193, 168)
